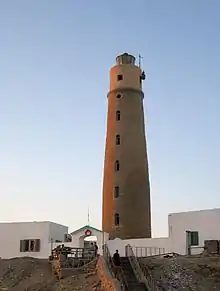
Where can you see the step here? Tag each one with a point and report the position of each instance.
(136, 288)
(127, 268)
(123, 259)
(130, 276)
(128, 272)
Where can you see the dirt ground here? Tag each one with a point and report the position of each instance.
(199, 273)
(28, 274)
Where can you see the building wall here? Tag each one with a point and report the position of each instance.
(118, 244)
(78, 240)
(79, 236)
(57, 232)
(12, 233)
(206, 222)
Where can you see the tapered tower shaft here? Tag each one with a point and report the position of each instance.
(126, 211)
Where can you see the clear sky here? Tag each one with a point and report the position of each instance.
(54, 61)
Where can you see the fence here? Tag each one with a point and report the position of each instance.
(148, 251)
(142, 274)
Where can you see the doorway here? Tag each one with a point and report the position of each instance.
(89, 241)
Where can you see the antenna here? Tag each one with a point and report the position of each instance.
(139, 58)
(88, 216)
(143, 76)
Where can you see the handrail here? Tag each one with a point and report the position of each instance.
(109, 261)
(148, 251)
(143, 275)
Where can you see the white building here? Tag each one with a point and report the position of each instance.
(204, 223)
(36, 239)
(20, 239)
(80, 237)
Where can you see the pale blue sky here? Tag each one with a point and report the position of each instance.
(54, 61)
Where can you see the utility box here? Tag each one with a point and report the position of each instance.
(211, 246)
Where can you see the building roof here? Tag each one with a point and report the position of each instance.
(86, 227)
(195, 211)
(31, 222)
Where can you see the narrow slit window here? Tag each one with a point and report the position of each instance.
(117, 220)
(118, 96)
(118, 115)
(117, 165)
(118, 139)
(116, 192)
(119, 77)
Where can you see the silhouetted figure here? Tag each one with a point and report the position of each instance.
(96, 249)
(117, 264)
(116, 259)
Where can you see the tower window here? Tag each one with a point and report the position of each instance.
(118, 139)
(120, 77)
(118, 96)
(117, 220)
(116, 192)
(117, 165)
(118, 115)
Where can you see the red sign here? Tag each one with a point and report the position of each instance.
(88, 232)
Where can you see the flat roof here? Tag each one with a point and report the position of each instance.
(23, 222)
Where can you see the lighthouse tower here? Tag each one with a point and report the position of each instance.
(126, 211)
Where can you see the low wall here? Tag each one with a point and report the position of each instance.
(141, 247)
(107, 281)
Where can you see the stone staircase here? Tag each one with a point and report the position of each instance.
(132, 282)
(131, 277)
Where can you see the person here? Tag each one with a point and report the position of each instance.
(117, 264)
(96, 249)
(116, 259)
(64, 251)
(91, 250)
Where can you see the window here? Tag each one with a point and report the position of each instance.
(30, 245)
(26, 245)
(117, 166)
(194, 238)
(117, 219)
(118, 139)
(118, 96)
(120, 77)
(68, 237)
(116, 192)
(118, 115)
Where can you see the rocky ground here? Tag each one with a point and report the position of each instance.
(199, 273)
(28, 274)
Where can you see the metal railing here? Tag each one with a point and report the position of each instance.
(72, 252)
(142, 274)
(119, 275)
(148, 251)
